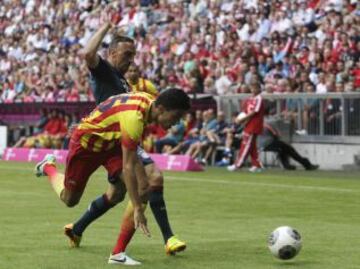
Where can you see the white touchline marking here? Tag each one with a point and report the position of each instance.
(260, 184)
(217, 181)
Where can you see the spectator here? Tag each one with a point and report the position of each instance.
(270, 140)
(174, 136)
(230, 34)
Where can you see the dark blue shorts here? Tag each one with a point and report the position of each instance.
(144, 157)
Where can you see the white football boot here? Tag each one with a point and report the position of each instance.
(122, 258)
(39, 167)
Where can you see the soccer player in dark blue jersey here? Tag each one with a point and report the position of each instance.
(107, 79)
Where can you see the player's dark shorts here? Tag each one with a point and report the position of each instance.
(144, 157)
(81, 163)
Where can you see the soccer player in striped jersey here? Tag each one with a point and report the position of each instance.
(107, 79)
(109, 137)
(139, 84)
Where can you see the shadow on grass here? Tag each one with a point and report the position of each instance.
(295, 263)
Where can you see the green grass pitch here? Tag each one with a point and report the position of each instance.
(224, 217)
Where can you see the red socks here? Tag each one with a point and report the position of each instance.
(50, 170)
(126, 233)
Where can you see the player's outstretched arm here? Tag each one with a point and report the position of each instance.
(90, 50)
(129, 160)
(142, 180)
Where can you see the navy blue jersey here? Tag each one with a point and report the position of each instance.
(106, 81)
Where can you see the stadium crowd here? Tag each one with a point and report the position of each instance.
(204, 46)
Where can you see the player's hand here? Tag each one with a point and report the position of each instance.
(140, 221)
(106, 17)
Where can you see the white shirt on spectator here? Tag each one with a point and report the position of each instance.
(8, 95)
(82, 3)
(29, 6)
(321, 88)
(248, 4)
(83, 41)
(201, 8)
(181, 48)
(337, 4)
(16, 52)
(43, 9)
(140, 18)
(243, 33)
(220, 38)
(281, 25)
(263, 29)
(5, 65)
(83, 15)
(222, 85)
(9, 31)
(313, 78)
(30, 56)
(227, 6)
(320, 35)
(303, 17)
(192, 10)
(92, 22)
(31, 38)
(194, 48)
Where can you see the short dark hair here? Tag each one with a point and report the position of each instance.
(118, 39)
(173, 99)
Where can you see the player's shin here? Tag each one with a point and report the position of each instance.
(127, 229)
(157, 204)
(56, 179)
(96, 209)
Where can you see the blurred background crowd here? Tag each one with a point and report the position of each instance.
(203, 46)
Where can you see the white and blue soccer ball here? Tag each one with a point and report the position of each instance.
(285, 242)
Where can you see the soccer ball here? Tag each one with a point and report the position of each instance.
(285, 242)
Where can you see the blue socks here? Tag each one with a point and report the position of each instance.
(96, 209)
(157, 205)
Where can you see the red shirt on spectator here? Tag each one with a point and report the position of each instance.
(73, 95)
(63, 129)
(256, 123)
(356, 74)
(313, 4)
(202, 53)
(53, 126)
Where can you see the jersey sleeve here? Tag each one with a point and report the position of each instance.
(132, 128)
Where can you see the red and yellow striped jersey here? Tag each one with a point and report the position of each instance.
(144, 85)
(118, 120)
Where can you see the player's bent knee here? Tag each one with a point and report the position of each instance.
(70, 198)
(116, 197)
(154, 175)
(156, 180)
(71, 202)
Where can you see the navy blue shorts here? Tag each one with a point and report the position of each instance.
(143, 156)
